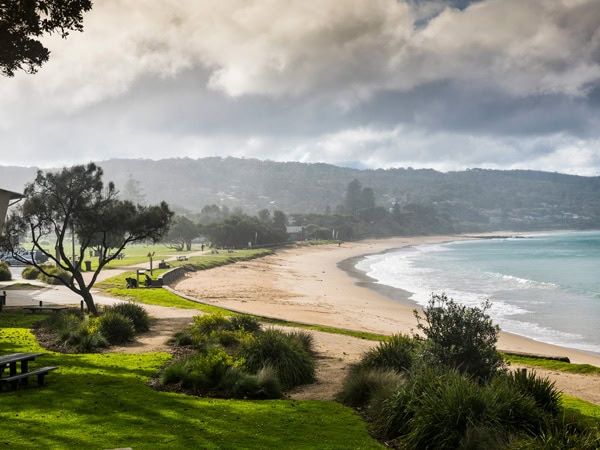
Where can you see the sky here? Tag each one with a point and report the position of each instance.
(448, 85)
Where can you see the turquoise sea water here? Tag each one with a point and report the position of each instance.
(545, 286)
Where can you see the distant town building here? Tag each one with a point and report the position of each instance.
(295, 233)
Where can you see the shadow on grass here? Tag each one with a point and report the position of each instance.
(104, 401)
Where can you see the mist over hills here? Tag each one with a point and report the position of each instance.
(471, 200)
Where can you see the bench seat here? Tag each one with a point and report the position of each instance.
(40, 373)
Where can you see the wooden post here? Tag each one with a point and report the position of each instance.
(2, 300)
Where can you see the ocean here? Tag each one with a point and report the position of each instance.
(543, 286)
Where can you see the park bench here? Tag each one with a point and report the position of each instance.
(182, 258)
(22, 377)
(15, 378)
(45, 308)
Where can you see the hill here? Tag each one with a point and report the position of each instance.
(471, 200)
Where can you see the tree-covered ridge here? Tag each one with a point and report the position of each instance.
(471, 200)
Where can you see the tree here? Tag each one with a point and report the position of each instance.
(353, 197)
(264, 215)
(460, 337)
(76, 201)
(181, 234)
(132, 191)
(280, 221)
(23, 22)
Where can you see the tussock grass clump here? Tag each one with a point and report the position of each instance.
(542, 390)
(206, 324)
(369, 387)
(5, 274)
(116, 328)
(245, 323)
(55, 275)
(284, 352)
(237, 383)
(396, 353)
(30, 273)
(136, 313)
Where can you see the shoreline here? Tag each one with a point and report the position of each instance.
(506, 338)
(319, 285)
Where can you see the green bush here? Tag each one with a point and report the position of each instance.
(284, 352)
(182, 338)
(210, 322)
(438, 407)
(173, 374)
(542, 390)
(136, 313)
(397, 353)
(56, 273)
(460, 337)
(5, 273)
(245, 323)
(74, 333)
(238, 384)
(116, 328)
(305, 338)
(368, 387)
(30, 273)
(86, 339)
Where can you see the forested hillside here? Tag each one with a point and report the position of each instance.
(422, 200)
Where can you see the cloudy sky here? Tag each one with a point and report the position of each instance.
(447, 85)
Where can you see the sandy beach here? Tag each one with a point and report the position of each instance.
(317, 285)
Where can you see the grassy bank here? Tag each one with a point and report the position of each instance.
(104, 401)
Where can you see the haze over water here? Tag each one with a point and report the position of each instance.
(545, 287)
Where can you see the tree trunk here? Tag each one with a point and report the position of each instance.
(89, 302)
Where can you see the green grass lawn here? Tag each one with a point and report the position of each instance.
(103, 401)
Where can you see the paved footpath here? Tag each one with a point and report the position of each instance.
(61, 295)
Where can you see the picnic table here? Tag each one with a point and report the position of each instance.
(14, 361)
(182, 258)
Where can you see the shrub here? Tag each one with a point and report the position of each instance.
(542, 390)
(238, 384)
(438, 407)
(397, 354)
(182, 338)
(30, 273)
(173, 373)
(136, 313)
(56, 273)
(369, 387)
(210, 322)
(116, 328)
(284, 352)
(5, 273)
(304, 338)
(86, 339)
(460, 337)
(245, 323)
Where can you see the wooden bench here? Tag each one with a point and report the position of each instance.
(44, 308)
(13, 380)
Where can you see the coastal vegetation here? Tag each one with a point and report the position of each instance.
(235, 357)
(406, 201)
(449, 388)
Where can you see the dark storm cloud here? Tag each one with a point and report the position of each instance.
(445, 84)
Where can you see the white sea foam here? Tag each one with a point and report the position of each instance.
(546, 295)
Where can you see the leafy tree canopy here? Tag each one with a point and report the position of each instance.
(75, 201)
(460, 337)
(181, 234)
(24, 22)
